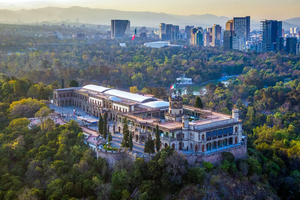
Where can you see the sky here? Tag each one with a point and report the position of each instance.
(257, 9)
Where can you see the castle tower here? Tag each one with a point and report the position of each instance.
(175, 105)
(175, 109)
(235, 115)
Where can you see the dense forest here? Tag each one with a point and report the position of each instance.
(53, 162)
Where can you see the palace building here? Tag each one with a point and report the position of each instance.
(181, 127)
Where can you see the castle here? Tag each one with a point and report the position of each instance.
(181, 127)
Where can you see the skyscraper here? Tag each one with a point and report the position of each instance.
(271, 30)
(228, 36)
(228, 40)
(241, 27)
(197, 36)
(229, 25)
(291, 45)
(168, 31)
(174, 32)
(119, 27)
(162, 31)
(279, 44)
(208, 37)
(188, 32)
(216, 35)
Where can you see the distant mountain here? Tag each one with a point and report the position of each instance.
(103, 17)
(294, 22)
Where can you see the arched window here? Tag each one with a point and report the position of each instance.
(182, 135)
(236, 129)
(202, 136)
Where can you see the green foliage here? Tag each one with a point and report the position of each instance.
(130, 143)
(62, 83)
(157, 141)
(195, 175)
(198, 102)
(100, 125)
(73, 83)
(208, 166)
(125, 141)
(109, 137)
(254, 166)
(149, 146)
(228, 156)
(105, 126)
(228, 166)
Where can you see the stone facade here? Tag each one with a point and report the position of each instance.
(207, 133)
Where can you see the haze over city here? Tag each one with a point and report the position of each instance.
(257, 9)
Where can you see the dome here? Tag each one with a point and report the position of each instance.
(113, 98)
(157, 104)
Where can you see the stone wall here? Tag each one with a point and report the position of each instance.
(113, 157)
(239, 151)
(216, 157)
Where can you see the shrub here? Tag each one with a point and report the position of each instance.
(228, 166)
(242, 166)
(228, 156)
(208, 166)
(254, 166)
(195, 175)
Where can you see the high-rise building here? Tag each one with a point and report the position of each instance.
(291, 45)
(271, 30)
(188, 32)
(298, 48)
(208, 37)
(168, 31)
(228, 40)
(162, 31)
(216, 35)
(197, 36)
(119, 28)
(241, 27)
(175, 32)
(279, 44)
(294, 30)
(229, 25)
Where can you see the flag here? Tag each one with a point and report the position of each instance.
(173, 86)
(133, 37)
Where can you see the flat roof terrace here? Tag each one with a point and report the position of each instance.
(210, 118)
(171, 125)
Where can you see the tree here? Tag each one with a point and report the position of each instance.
(109, 137)
(33, 91)
(105, 126)
(198, 102)
(42, 113)
(157, 141)
(210, 88)
(133, 89)
(62, 83)
(125, 141)
(100, 125)
(149, 146)
(130, 142)
(73, 83)
(19, 123)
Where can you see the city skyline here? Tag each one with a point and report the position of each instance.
(267, 9)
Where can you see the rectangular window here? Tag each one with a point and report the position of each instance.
(225, 132)
(220, 133)
(208, 135)
(230, 130)
(214, 134)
